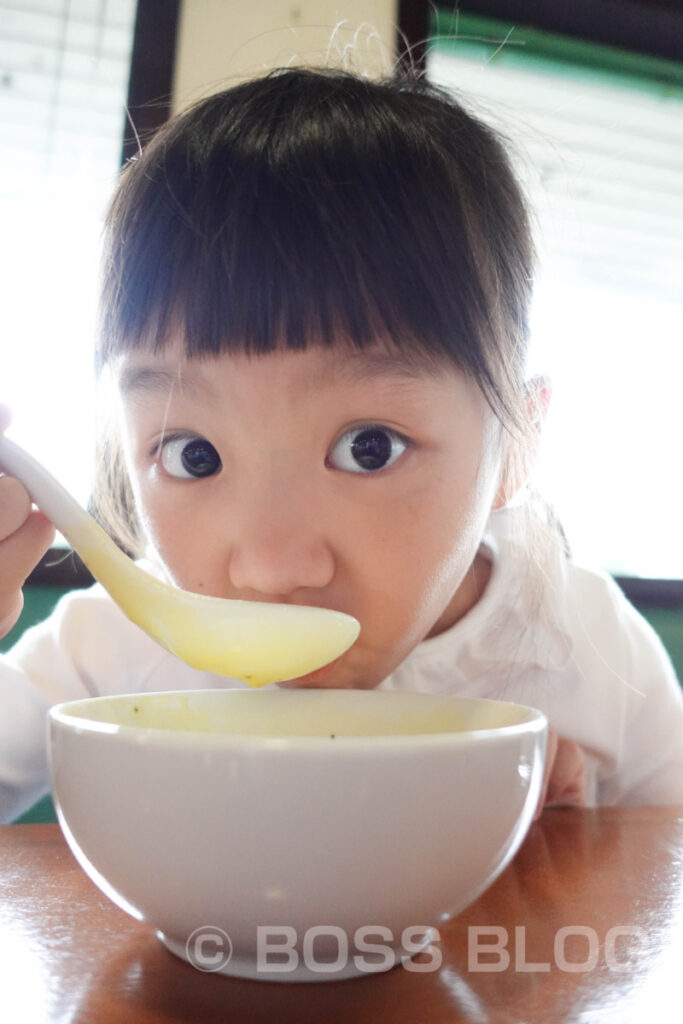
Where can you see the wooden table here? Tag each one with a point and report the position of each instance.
(590, 915)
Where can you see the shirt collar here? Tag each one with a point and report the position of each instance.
(519, 618)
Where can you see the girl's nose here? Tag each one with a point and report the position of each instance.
(277, 550)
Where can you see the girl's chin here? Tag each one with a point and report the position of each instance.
(304, 683)
(319, 679)
(329, 677)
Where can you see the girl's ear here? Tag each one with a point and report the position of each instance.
(522, 450)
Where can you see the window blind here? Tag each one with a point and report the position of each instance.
(601, 154)
(64, 67)
(598, 141)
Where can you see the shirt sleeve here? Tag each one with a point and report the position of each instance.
(85, 648)
(650, 757)
(628, 712)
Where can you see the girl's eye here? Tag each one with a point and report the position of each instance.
(188, 457)
(367, 449)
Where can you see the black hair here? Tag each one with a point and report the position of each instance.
(312, 206)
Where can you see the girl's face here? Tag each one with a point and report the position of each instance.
(327, 477)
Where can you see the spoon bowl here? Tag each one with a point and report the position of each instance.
(259, 642)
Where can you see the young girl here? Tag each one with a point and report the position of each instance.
(314, 321)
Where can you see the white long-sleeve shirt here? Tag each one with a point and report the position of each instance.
(583, 655)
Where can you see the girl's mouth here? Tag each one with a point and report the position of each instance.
(311, 678)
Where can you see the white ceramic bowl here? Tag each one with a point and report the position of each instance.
(338, 825)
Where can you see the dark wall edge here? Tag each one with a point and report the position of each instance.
(64, 569)
(151, 72)
(653, 27)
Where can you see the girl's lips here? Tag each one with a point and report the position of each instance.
(311, 678)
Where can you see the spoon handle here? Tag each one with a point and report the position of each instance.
(47, 493)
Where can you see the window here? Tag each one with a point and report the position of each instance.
(599, 138)
(64, 67)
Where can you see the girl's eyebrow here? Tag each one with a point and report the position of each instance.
(151, 379)
(401, 365)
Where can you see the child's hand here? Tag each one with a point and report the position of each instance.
(564, 782)
(25, 536)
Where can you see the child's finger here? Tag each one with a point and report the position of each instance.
(19, 555)
(564, 780)
(567, 784)
(15, 506)
(551, 752)
(10, 610)
(21, 552)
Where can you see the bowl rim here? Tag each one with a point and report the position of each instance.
(535, 721)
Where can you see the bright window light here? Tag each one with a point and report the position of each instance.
(602, 160)
(63, 84)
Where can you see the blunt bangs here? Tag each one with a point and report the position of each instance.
(310, 207)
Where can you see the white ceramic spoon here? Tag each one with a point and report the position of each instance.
(255, 641)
